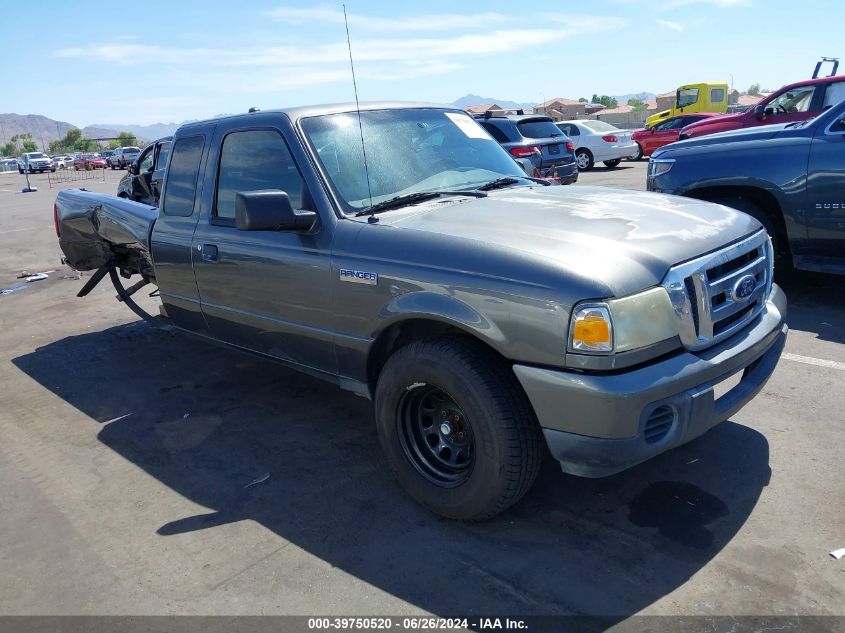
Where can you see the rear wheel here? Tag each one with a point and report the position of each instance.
(458, 432)
(584, 159)
(613, 163)
(639, 155)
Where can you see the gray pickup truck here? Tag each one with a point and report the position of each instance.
(482, 311)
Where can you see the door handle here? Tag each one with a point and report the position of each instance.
(209, 252)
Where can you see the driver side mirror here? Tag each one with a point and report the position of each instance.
(759, 112)
(131, 169)
(270, 210)
(838, 126)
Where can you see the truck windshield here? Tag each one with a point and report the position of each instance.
(408, 150)
(36, 155)
(687, 97)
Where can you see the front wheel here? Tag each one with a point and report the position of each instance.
(613, 163)
(458, 432)
(756, 211)
(584, 159)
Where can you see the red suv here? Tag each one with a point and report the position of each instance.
(795, 102)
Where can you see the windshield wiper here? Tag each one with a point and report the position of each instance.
(411, 198)
(498, 183)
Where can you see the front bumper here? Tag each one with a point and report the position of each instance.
(598, 424)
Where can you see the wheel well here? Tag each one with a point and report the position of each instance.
(762, 198)
(403, 333)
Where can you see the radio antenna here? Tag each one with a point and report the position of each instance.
(357, 107)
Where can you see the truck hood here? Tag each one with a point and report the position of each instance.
(625, 240)
(758, 133)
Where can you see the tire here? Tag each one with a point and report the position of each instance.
(752, 208)
(613, 163)
(112, 167)
(20, 171)
(639, 155)
(584, 159)
(490, 457)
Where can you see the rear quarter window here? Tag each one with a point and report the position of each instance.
(495, 132)
(181, 184)
(538, 129)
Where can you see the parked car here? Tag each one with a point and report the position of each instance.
(123, 157)
(789, 176)
(483, 312)
(88, 160)
(796, 102)
(35, 162)
(598, 141)
(62, 162)
(106, 153)
(665, 132)
(143, 178)
(535, 138)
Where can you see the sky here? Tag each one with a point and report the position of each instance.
(155, 61)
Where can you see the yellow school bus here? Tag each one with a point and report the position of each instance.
(689, 98)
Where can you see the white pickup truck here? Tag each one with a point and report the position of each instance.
(35, 162)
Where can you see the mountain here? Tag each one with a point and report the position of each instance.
(642, 96)
(42, 128)
(472, 99)
(147, 132)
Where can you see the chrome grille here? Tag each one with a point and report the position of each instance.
(714, 296)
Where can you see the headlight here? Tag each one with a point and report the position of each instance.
(621, 325)
(658, 166)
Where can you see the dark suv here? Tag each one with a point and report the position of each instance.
(536, 138)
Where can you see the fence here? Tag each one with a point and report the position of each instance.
(71, 175)
(625, 120)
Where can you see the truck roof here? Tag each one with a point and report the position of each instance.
(299, 112)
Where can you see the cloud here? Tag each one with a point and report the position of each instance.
(412, 50)
(434, 22)
(668, 24)
(721, 4)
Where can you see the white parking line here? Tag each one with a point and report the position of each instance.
(818, 362)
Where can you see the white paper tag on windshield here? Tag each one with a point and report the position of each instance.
(467, 125)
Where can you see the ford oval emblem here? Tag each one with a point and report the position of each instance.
(744, 287)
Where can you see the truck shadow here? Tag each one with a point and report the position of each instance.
(206, 422)
(816, 303)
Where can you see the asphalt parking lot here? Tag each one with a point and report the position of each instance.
(127, 456)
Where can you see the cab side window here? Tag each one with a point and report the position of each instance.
(791, 101)
(834, 95)
(254, 160)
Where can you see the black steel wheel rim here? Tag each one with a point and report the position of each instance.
(436, 435)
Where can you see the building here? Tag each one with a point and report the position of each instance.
(562, 109)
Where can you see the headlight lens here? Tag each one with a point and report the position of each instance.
(659, 166)
(621, 325)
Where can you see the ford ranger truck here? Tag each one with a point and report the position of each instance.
(483, 312)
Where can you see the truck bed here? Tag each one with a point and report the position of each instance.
(96, 229)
